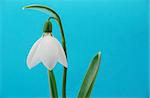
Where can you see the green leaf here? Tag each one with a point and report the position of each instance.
(53, 86)
(88, 82)
(44, 9)
(90, 89)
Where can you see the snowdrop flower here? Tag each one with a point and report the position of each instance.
(47, 50)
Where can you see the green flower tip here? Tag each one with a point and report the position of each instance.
(47, 27)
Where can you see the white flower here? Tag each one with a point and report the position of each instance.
(46, 50)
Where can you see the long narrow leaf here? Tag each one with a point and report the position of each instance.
(90, 77)
(90, 89)
(42, 8)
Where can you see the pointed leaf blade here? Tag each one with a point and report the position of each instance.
(43, 8)
(88, 82)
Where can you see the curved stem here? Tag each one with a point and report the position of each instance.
(65, 49)
(65, 69)
(57, 18)
(52, 18)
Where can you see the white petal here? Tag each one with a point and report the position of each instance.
(61, 53)
(49, 55)
(33, 56)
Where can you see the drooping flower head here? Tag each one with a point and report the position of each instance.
(47, 50)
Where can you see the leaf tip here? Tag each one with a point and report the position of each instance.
(99, 53)
(28, 6)
(23, 8)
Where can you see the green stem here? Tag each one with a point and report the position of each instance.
(64, 83)
(52, 83)
(64, 47)
(65, 69)
(57, 18)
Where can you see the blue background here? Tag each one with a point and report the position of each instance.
(117, 28)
